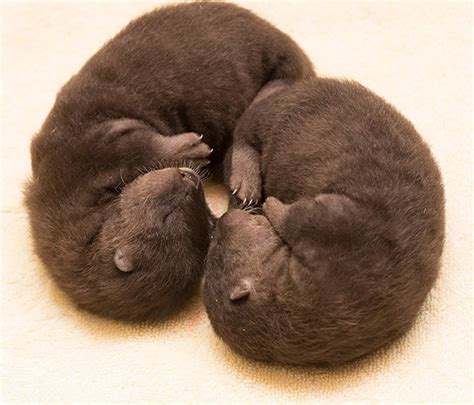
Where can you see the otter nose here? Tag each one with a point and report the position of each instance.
(190, 175)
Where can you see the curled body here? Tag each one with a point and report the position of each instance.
(117, 215)
(350, 238)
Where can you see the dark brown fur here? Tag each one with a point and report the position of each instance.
(350, 240)
(123, 238)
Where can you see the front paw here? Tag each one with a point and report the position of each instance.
(187, 146)
(245, 190)
(245, 180)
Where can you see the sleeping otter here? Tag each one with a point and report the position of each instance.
(351, 235)
(117, 212)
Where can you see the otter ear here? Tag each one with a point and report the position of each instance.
(268, 89)
(122, 261)
(122, 126)
(113, 129)
(242, 290)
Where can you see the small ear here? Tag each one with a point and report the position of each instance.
(122, 262)
(268, 89)
(122, 126)
(116, 128)
(240, 291)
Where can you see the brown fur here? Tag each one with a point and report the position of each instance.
(121, 232)
(350, 240)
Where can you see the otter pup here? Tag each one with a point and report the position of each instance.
(117, 214)
(351, 235)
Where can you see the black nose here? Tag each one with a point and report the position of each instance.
(190, 175)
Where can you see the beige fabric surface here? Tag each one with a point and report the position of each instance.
(416, 55)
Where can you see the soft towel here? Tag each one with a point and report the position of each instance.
(416, 55)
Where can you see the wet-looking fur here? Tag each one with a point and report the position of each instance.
(121, 228)
(351, 235)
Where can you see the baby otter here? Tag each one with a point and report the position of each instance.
(352, 230)
(117, 215)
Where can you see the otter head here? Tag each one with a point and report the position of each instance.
(244, 256)
(151, 246)
(122, 243)
(239, 242)
(159, 217)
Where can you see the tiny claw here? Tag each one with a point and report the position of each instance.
(211, 150)
(243, 202)
(202, 136)
(235, 191)
(250, 202)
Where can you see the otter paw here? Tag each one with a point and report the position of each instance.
(245, 191)
(245, 182)
(186, 146)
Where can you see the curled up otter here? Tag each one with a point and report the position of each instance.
(117, 212)
(351, 234)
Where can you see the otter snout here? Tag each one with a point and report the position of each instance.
(164, 184)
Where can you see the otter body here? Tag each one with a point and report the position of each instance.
(351, 235)
(121, 229)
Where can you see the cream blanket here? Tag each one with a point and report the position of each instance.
(417, 56)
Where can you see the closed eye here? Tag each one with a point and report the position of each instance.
(108, 193)
(167, 216)
(94, 236)
(114, 190)
(119, 187)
